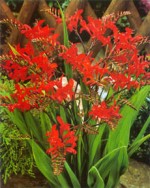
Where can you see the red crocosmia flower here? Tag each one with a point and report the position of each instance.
(106, 114)
(61, 141)
(73, 21)
(70, 54)
(61, 92)
(27, 52)
(123, 81)
(19, 74)
(21, 105)
(43, 64)
(22, 98)
(12, 107)
(37, 31)
(58, 20)
(97, 29)
(15, 71)
(91, 74)
(138, 66)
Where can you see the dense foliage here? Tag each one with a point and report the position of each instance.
(80, 103)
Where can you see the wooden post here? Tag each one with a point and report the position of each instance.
(73, 6)
(50, 20)
(134, 18)
(5, 12)
(115, 6)
(89, 11)
(24, 16)
(144, 30)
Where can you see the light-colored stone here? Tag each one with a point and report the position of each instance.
(136, 176)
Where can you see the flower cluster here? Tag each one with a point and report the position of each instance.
(145, 5)
(61, 141)
(107, 114)
(33, 72)
(121, 67)
(38, 71)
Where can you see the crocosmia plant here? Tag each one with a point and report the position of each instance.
(76, 109)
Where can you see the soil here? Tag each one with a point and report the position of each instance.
(26, 182)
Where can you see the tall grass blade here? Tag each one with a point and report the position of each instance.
(17, 118)
(95, 142)
(121, 134)
(94, 178)
(72, 176)
(45, 124)
(106, 163)
(68, 68)
(143, 130)
(15, 52)
(43, 163)
(134, 147)
(32, 126)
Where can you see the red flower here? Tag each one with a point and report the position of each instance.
(37, 31)
(106, 114)
(97, 28)
(27, 52)
(61, 93)
(74, 20)
(61, 141)
(91, 74)
(121, 81)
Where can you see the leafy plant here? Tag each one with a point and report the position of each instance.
(143, 152)
(83, 122)
(16, 157)
(123, 23)
(62, 3)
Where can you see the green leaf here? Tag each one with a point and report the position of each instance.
(121, 134)
(43, 163)
(18, 120)
(118, 168)
(85, 103)
(72, 176)
(13, 49)
(32, 126)
(143, 130)
(63, 114)
(95, 142)
(45, 124)
(52, 113)
(79, 154)
(2, 128)
(106, 163)
(66, 36)
(68, 68)
(94, 179)
(134, 147)
(63, 181)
